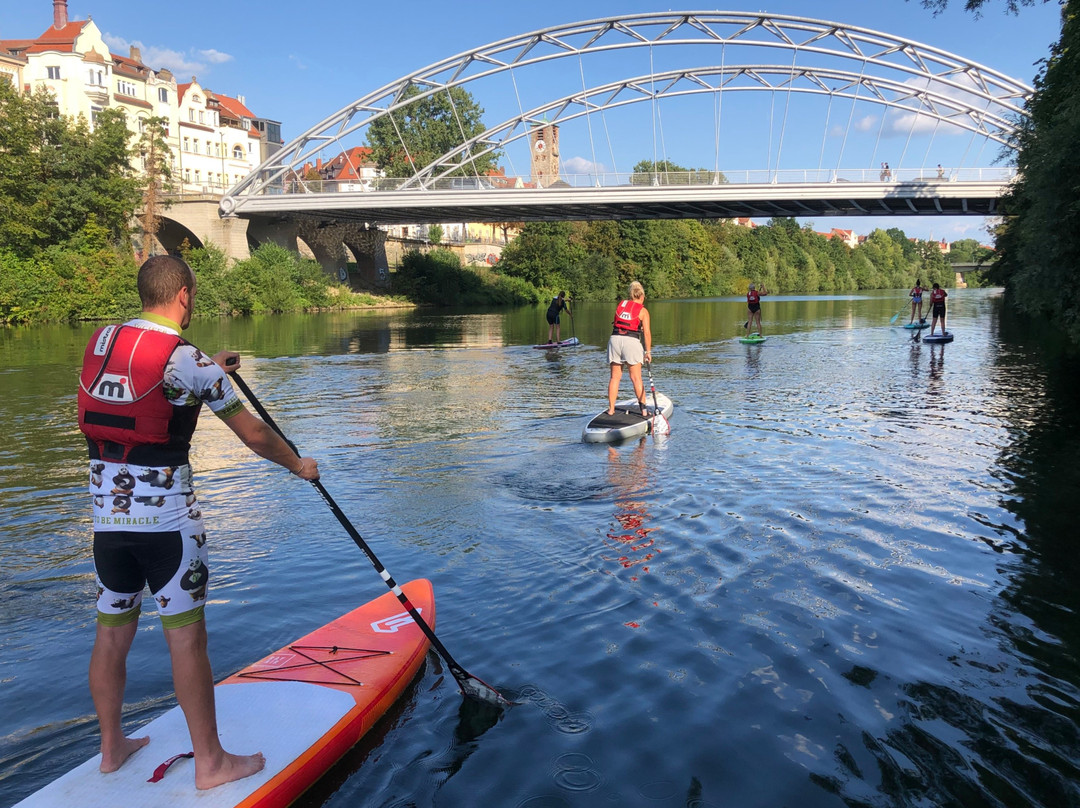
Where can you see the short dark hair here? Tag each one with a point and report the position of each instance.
(161, 277)
(937, 286)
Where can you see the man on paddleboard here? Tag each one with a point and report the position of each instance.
(140, 392)
(558, 305)
(630, 344)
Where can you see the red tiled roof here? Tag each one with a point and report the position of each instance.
(234, 107)
(15, 45)
(58, 39)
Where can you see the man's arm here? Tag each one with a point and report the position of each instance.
(258, 436)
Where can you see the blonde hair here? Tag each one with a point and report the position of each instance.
(636, 290)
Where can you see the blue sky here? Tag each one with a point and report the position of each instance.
(300, 62)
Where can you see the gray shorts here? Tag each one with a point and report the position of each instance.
(625, 350)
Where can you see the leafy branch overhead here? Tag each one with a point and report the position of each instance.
(422, 128)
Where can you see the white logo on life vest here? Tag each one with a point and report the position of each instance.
(112, 388)
(102, 344)
(389, 625)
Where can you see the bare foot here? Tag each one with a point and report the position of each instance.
(232, 767)
(113, 759)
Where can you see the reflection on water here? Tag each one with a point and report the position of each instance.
(847, 576)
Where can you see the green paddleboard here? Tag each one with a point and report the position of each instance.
(752, 340)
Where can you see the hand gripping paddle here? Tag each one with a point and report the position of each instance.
(660, 425)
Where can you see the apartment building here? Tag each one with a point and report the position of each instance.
(215, 139)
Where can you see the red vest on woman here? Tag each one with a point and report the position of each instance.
(628, 318)
(123, 410)
(937, 296)
(753, 297)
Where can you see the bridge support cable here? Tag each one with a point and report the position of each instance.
(930, 144)
(588, 117)
(718, 110)
(914, 122)
(851, 116)
(787, 107)
(825, 135)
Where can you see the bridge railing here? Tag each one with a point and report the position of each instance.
(640, 180)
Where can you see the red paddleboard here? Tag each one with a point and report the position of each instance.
(302, 706)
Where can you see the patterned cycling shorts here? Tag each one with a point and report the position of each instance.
(171, 560)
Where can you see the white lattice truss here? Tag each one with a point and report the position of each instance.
(919, 80)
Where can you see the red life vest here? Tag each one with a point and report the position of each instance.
(628, 318)
(937, 296)
(753, 297)
(123, 410)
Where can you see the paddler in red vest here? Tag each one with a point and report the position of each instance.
(140, 392)
(937, 306)
(753, 308)
(630, 344)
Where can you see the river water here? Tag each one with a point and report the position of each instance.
(846, 578)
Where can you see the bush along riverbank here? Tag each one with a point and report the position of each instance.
(87, 279)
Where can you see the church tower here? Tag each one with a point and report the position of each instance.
(544, 148)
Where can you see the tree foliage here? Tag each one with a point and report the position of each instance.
(665, 172)
(690, 258)
(423, 129)
(58, 176)
(1039, 241)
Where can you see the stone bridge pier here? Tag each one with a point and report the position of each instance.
(198, 222)
(328, 242)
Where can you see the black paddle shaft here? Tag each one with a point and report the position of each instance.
(469, 684)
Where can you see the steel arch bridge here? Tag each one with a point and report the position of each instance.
(922, 88)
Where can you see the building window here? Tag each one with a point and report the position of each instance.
(208, 148)
(197, 175)
(163, 95)
(187, 175)
(238, 153)
(53, 72)
(126, 88)
(187, 144)
(191, 115)
(201, 114)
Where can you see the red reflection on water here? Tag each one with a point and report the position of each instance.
(628, 472)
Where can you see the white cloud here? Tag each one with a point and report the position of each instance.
(215, 56)
(866, 123)
(296, 61)
(580, 165)
(181, 64)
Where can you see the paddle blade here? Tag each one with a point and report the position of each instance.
(660, 425)
(893, 320)
(479, 690)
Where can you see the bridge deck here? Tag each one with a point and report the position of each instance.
(971, 198)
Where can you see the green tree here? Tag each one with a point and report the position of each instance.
(423, 129)
(57, 175)
(154, 154)
(435, 233)
(665, 172)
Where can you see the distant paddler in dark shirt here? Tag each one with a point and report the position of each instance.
(558, 305)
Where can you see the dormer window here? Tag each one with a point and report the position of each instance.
(53, 72)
